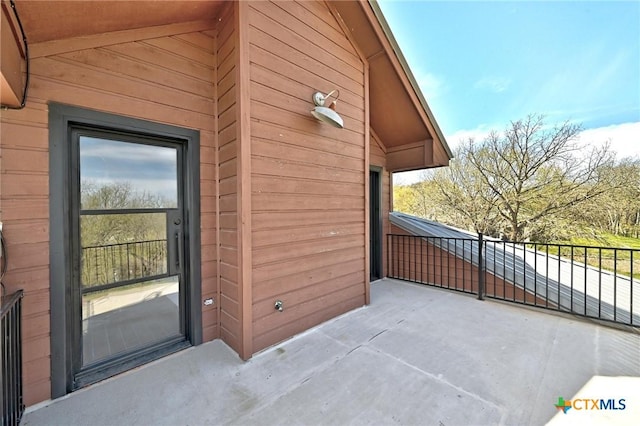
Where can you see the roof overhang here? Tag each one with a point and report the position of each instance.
(399, 113)
(11, 59)
(61, 19)
(49, 20)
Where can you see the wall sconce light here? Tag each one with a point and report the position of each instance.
(327, 114)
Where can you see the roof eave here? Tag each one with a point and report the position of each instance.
(375, 7)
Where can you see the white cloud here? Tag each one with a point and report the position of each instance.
(166, 188)
(117, 150)
(493, 84)
(478, 134)
(453, 140)
(624, 138)
(407, 178)
(430, 85)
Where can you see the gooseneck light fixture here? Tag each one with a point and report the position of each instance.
(327, 114)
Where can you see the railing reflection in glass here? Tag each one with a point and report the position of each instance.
(114, 263)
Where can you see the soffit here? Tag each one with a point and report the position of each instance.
(54, 19)
(393, 114)
(397, 112)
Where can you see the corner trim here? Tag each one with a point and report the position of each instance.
(244, 210)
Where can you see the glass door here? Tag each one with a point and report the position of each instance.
(129, 250)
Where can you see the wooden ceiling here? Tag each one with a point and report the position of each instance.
(399, 116)
(398, 113)
(54, 19)
(393, 115)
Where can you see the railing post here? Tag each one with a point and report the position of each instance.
(388, 274)
(11, 397)
(480, 268)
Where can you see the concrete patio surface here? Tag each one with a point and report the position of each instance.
(416, 355)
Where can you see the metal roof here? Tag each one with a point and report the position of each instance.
(427, 228)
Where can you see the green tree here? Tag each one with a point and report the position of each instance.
(617, 211)
(121, 246)
(404, 199)
(420, 199)
(119, 228)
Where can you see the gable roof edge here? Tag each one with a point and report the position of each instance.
(375, 7)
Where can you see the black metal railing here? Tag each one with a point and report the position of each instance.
(420, 260)
(112, 263)
(595, 282)
(11, 400)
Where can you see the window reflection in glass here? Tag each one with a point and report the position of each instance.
(124, 175)
(122, 247)
(126, 318)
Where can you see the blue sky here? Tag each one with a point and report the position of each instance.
(147, 168)
(482, 64)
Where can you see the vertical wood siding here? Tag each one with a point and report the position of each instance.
(169, 80)
(228, 174)
(308, 228)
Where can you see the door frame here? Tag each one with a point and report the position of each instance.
(375, 224)
(61, 119)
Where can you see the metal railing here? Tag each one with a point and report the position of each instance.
(112, 263)
(595, 282)
(11, 400)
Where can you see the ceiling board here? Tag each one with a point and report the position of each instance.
(66, 19)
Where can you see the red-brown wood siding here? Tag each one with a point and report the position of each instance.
(230, 321)
(416, 260)
(169, 79)
(308, 228)
(377, 157)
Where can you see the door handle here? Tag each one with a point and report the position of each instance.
(179, 250)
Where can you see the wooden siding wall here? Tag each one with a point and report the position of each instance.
(418, 260)
(378, 157)
(308, 220)
(161, 74)
(230, 321)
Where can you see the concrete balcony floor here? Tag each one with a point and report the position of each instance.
(416, 355)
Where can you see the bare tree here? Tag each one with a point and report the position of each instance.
(618, 210)
(525, 174)
(463, 190)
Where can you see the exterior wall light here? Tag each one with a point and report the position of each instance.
(327, 114)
